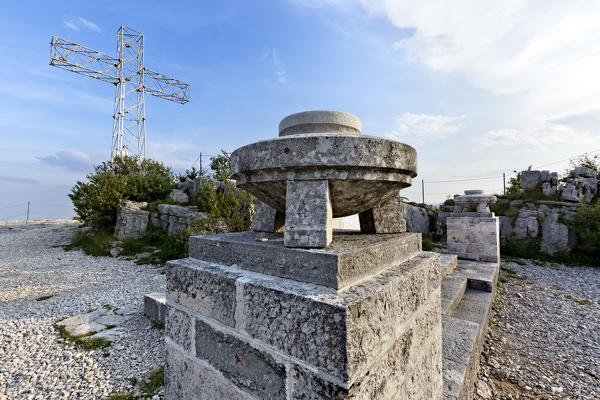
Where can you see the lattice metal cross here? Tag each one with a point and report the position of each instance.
(132, 81)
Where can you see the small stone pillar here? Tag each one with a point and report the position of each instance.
(473, 232)
(307, 313)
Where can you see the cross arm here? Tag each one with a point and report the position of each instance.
(167, 88)
(82, 60)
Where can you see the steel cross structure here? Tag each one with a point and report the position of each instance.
(132, 81)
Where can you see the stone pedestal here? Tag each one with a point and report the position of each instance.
(474, 236)
(249, 318)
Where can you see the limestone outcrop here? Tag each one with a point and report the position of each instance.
(133, 219)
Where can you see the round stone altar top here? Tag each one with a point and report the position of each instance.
(309, 122)
(472, 192)
(361, 171)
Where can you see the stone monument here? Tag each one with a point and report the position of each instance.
(473, 232)
(293, 310)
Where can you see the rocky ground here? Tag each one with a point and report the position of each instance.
(544, 334)
(40, 283)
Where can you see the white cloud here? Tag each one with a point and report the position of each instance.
(89, 24)
(540, 134)
(71, 160)
(545, 52)
(80, 22)
(280, 72)
(71, 25)
(422, 127)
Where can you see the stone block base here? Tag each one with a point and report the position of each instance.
(474, 238)
(238, 334)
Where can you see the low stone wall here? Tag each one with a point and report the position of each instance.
(133, 219)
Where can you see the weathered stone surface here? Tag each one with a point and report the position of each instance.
(583, 172)
(417, 219)
(111, 334)
(526, 225)
(178, 196)
(203, 289)
(155, 306)
(255, 371)
(475, 238)
(187, 378)
(267, 219)
(178, 328)
(387, 217)
(340, 333)
(132, 220)
(531, 180)
(349, 258)
(458, 344)
(308, 215)
(319, 121)
(173, 218)
(385, 380)
(473, 201)
(555, 235)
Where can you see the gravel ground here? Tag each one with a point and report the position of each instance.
(544, 335)
(34, 362)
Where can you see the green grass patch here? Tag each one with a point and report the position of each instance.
(120, 396)
(95, 244)
(84, 342)
(148, 386)
(152, 384)
(44, 297)
(135, 246)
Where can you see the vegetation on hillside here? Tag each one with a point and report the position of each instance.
(96, 201)
(125, 178)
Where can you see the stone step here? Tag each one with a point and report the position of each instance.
(480, 275)
(464, 324)
(475, 307)
(459, 338)
(453, 289)
(155, 306)
(349, 258)
(448, 263)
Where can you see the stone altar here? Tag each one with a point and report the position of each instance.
(473, 232)
(308, 313)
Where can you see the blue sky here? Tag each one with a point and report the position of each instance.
(477, 87)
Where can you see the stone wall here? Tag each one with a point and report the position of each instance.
(134, 218)
(238, 334)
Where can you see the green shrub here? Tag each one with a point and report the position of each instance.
(124, 178)
(521, 248)
(586, 225)
(228, 208)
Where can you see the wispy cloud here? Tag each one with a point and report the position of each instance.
(280, 72)
(80, 22)
(71, 160)
(423, 127)
(89, 24)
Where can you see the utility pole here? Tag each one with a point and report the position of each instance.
(132, 80)
(27, 220)
(423, 190)
(200, 163)
(504, 181)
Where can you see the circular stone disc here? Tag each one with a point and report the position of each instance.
(362, 170)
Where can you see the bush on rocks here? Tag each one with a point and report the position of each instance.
(124, 178)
